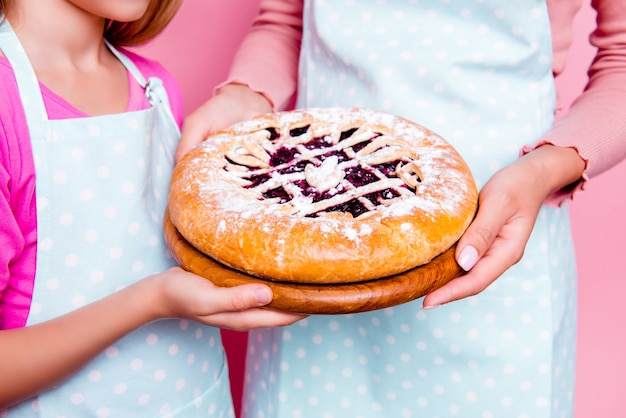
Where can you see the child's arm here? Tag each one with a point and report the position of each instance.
(37, 357)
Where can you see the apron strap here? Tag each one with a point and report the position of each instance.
(130, 66)
(27, 82)
(29, 88)
(154, 89)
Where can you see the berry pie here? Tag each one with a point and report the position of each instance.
(323, 196)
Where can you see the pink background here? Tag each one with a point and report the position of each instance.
(198, 48)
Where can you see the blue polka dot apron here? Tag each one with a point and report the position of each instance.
(478, 73)
(101, 192)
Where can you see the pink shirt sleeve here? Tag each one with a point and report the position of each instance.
(595, 125)
(152, 68)
(267, 60)
(18, 220)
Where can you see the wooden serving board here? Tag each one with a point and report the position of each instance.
(316, 298)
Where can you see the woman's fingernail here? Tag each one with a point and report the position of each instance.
(468, 257)
(263, 296)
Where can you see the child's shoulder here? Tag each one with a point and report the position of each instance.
(14, 139)
(7, 78)
(9, 94)
(142, 61)
(149, 67)
(152, 68)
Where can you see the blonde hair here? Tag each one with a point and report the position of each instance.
(156, 18)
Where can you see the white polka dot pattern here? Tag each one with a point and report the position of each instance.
(479, 74)
(101, 185)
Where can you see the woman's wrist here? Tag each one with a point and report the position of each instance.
(557, 167)
(242, 93)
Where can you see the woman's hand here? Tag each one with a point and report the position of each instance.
(182, 294)
(508, 207)
(232, 103)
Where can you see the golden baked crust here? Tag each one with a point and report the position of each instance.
(324, 195)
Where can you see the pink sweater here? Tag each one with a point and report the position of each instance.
(18, 217)
(595, 124)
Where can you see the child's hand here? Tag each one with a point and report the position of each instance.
(35, 358)
(185, 295)
(232, 103)
(509, 204)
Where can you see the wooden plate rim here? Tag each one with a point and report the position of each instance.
(321, 299)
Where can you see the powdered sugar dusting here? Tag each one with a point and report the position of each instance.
(443, 186)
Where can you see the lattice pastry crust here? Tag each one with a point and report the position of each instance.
(323, 196)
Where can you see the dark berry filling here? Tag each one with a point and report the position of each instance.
(359, 176)
(279, 193)
(273, 134)
(353, 206)
(285, 160)
(299, 131)
(347, 134)
(316, 143)
(256, 180)
(283, 155)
